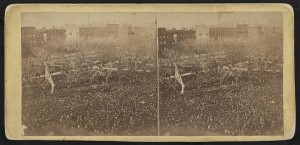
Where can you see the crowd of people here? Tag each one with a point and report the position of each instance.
(217, 74)
(253, 106)
(249, 110)
(127, 109)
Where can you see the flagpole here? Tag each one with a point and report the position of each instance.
(157, 71)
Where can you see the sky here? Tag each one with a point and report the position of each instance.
(178, 20)
(166, 19)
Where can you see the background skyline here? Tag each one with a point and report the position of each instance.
(165, 19)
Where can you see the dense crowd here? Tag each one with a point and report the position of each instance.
(129, 108)
(248, 110)
(126, 105)
(252, 106)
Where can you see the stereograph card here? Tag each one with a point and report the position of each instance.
(149, 72)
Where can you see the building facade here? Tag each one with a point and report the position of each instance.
(167, 39)
(72, 32)
(202, 33)
(29, 37)
(222, 32)
(116, 30)
(110, 30)
(33, 37)
(143, 30)
(241, 30)
(53, 34)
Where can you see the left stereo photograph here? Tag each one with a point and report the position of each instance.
(89, 73)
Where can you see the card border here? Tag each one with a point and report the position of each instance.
(13, 79)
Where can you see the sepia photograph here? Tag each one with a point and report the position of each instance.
(89, 73)
(221, 73)
(152, 72)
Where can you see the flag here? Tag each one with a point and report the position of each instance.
(48, 77)
(178, 78)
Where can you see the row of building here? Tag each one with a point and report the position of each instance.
(240, 30)
(166, 37)
(38, 37)
(202, 32)
(71, 32)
